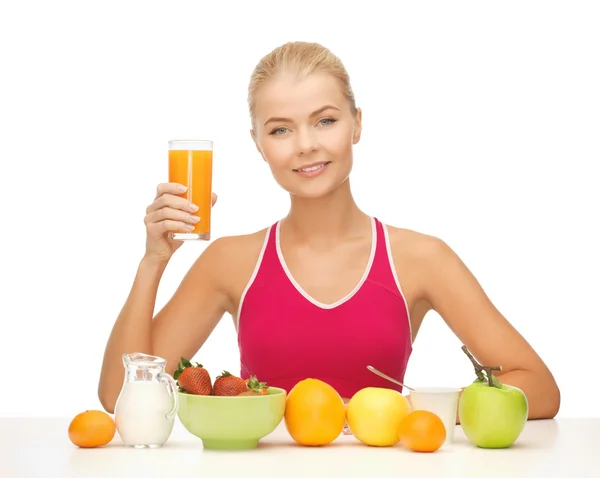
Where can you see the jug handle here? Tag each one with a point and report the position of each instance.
(172, 386)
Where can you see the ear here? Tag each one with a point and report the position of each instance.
(357, 126)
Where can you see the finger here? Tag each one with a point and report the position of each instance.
(167, 213)
(175, 202)
(214, 198)
(157, 229)
(170, 188)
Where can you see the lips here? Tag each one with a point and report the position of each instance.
(307, 168)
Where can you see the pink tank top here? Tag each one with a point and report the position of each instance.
(285, 336)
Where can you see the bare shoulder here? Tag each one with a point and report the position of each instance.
(430, 265)
(418, 257)
(231, 261)
(408, 244)
(223, 247)
(236, 250)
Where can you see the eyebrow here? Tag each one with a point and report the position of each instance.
(314, 113)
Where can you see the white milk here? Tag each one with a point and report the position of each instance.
(140, 413)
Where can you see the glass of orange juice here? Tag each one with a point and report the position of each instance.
(191, 164)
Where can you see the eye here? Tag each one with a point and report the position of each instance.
(278, 131)
(327, 121)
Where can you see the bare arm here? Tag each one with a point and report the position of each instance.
(179, 329)
(456, 295)
(132, 330)
(199, 303)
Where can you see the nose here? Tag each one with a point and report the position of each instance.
(306, 141)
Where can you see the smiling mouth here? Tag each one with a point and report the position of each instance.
(309, 169)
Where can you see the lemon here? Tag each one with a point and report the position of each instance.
(374, 415)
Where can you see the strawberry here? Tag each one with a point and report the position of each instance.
(192, 378)
(257, 387)
(229, 385)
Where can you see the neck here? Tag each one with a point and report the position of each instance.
(328, 218)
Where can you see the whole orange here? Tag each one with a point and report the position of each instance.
(314, 413)
(92, 428)
(422, 431)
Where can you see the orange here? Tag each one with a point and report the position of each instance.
(422, 431)
(314, 413)
(92, 428)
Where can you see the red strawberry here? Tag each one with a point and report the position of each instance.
(229, 385)
(192, 378)
(256, 387)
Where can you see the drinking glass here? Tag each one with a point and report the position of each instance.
(191, 164)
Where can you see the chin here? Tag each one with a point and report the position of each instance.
(311, 194)
(313, 189)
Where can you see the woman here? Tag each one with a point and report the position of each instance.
(328, 289)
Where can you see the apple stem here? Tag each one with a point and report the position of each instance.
(479, 369)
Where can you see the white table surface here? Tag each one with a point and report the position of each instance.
(39, 447)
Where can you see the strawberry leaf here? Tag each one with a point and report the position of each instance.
(224, 374)
(185, 362)
(254, 384)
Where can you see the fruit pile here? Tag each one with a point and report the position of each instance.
(491, 414)
(315, 415)
(195, 380)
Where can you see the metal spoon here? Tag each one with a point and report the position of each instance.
(381, 374)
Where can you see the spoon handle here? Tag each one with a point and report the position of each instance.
(383, 375)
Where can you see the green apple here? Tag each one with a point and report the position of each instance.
(491, 414)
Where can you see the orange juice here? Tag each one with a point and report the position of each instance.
(190, 164)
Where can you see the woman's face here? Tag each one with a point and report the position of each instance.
(305, 131)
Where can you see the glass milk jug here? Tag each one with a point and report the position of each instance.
(146, 408)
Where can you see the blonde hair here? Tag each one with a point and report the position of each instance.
(300, 59)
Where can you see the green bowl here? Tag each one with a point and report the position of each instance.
(231, 423)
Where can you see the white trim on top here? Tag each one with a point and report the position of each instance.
(351, 293)
(252, 277)
(388, 247)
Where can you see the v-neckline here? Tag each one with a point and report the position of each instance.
(350, 294)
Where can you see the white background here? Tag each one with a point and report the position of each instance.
(481, 126)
